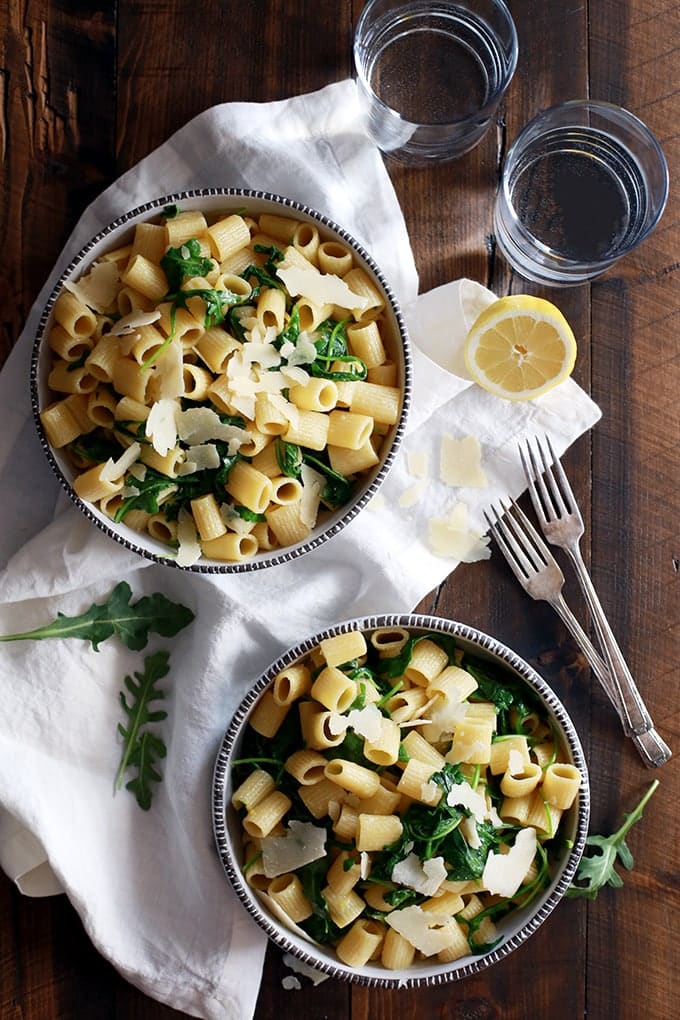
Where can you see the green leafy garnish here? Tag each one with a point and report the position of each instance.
(132, 622)
(170, 212)
(337, 489)
(179, 264)
(598, 869)
(142, 748)
(319, 926)
(288, 457)
(331, 346)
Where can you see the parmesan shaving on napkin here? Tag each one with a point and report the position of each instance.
(148, 885)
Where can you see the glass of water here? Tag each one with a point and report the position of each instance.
(431, 74)
(583, 183)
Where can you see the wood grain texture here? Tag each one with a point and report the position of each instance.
(86, 90)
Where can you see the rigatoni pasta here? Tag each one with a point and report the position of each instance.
(235, 338)
(409, 838)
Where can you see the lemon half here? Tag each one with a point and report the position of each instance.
(520, 347)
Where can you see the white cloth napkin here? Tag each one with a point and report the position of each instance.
(148, 885)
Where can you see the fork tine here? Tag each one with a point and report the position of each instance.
(518, 540)
(537, 490)
(566, 490)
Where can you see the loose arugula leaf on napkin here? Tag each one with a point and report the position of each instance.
(132, 622)
(143, 748)
(598, 869)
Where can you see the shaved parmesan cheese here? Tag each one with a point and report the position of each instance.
(503, 873)
(303, 353)
(161, 427)
(263, 354)
(416, 461)
(169, 371)
(412, 495)
(427, 931)
(515, 762)
(312, 486)
(452, 539)
(460, 462)
(377, 503)
(443, 717)
(462, 795)
(326, 289)
(430, 792)
(98, 289)
(198, 425)
(364, 721)
(289, 982)
(468, 827)
(294, 376)
(133, 321)
(189, 551)
(302, 844)
(200, 458)
(423, 876)
(300, 967)
(364, 864)
(138, 471)
(275, 909)
(115, 469)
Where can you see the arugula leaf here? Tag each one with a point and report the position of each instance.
(464, 862)
(180, 263)
(142, 748)
(170, 212)
(132, 622)
(331, 346)
(246, 514)
(319, 926)
(504, 690)
(598, 869)
(288, 457)
(338, 489)
(94, 448)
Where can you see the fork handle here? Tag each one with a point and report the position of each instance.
(636, 719)
(651, 747)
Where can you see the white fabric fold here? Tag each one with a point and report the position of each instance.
(148, 885)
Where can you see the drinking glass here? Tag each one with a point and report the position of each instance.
(583, 184)
(431, 75)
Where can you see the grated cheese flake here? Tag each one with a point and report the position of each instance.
(321, 289)
(131, 322)
(312, 487)
(503, 873)
(427, 931)
(413, 494)
(416, 461)
(423, 876)
(189, 551)
(302, 844)
(98, 289)
(200, 458)
(161, 427)
(451, 538)
(460, 462)
(115, 469)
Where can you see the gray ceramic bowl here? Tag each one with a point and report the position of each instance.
(214, 201)
(517, 926)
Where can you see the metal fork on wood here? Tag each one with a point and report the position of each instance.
(541, 577)
(561, 522)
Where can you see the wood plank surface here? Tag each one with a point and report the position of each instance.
(86, 90)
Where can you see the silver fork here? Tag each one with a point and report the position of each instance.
(541, 577)
(561, 522)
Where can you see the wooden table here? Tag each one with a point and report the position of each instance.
(86, 90)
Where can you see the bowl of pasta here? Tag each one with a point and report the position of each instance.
(400, 800)
(221, 379)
